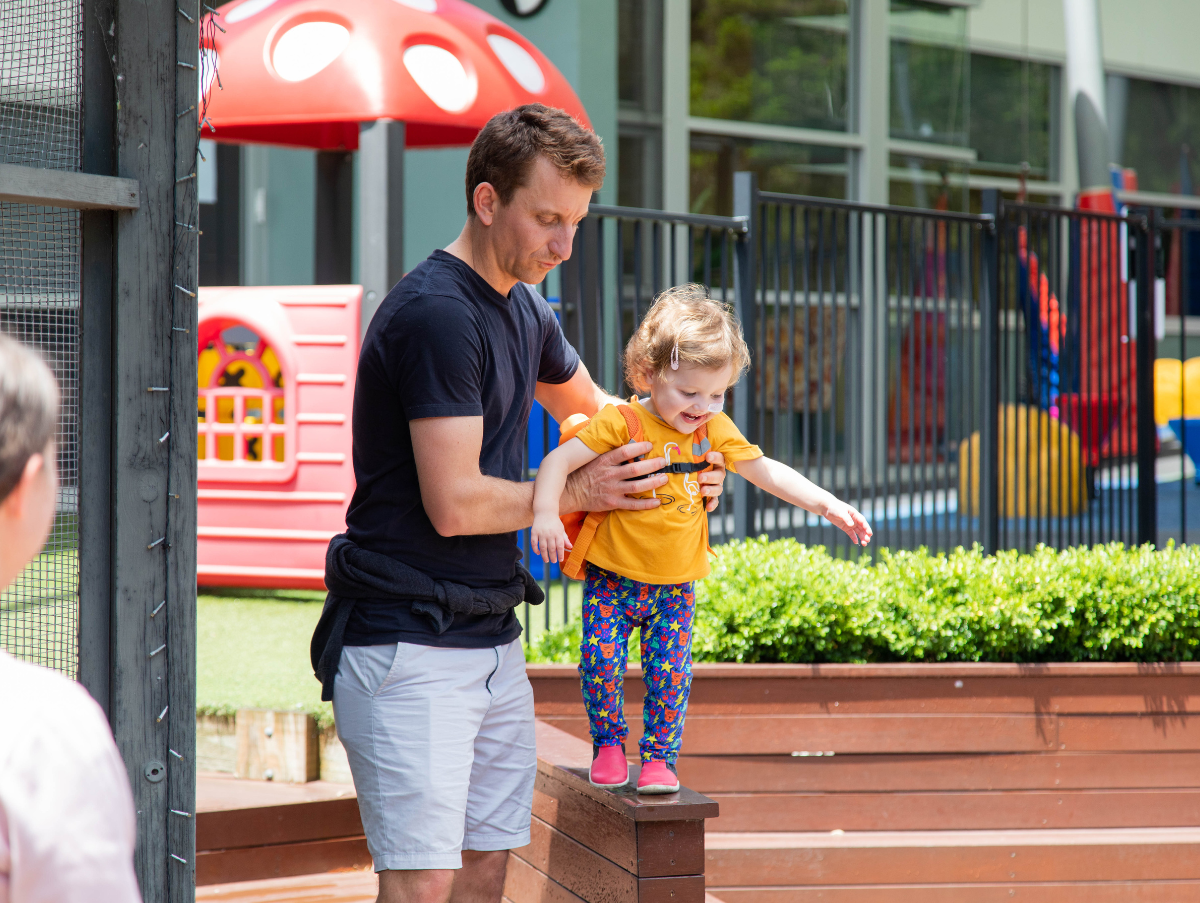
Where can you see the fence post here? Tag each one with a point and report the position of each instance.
(1147, 493)
(745, 203)
(989, 428)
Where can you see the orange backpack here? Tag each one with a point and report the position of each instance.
(581, 526)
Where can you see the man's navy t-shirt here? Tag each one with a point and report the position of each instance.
(444, 343)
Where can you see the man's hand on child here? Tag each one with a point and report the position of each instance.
(848, 519)
(549, 539)
(712, 481)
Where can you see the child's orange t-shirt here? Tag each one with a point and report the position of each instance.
(668, 544)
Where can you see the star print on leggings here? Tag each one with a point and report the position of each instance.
(612, 606)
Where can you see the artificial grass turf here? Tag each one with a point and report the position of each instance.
(252, 648)
(252, 652)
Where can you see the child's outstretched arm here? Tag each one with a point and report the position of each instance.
(783, 482)
(549, 537)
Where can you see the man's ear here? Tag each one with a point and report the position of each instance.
(485, 200)
(16, 501)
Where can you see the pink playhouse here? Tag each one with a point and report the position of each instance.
(276, 376)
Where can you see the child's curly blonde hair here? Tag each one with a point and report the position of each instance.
(706, 332)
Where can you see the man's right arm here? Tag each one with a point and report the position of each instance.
(461, 501)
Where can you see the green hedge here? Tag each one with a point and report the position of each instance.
(784, 602)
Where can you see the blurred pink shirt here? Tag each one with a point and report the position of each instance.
(66, 814)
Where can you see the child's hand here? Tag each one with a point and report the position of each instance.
(549, 538)
(848, 519)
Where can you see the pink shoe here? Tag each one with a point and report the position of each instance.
(658, 777)
(609, 768)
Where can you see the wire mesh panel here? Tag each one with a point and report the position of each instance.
(1176, 242)
(40, 115)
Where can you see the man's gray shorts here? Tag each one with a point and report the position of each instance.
(441, 746)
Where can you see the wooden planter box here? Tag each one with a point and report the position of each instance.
(1053, 781)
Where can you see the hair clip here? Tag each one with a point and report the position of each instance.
(675, 357)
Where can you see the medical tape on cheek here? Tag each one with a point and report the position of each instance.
(717, 407)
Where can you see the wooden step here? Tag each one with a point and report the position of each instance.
(248, 830)
(1168, 690)
(1063, 856)
(951, 771)
(1012, 809)
(918, 734)
(1040, 892)
(355, 886)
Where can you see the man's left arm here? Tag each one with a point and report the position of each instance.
(581, 395)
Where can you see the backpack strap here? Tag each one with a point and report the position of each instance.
(576, 562)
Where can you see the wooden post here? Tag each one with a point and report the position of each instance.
(153, 477)
(596, 845)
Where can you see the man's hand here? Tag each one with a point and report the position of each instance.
(712, 482)
(601, 485)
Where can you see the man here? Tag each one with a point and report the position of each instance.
(66, 813)
(432, 704)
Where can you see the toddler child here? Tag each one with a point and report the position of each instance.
(642, 565)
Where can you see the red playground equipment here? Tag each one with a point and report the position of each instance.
(275, 473)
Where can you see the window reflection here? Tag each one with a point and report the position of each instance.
(1155, 129)
(782, 62)
(781, 166)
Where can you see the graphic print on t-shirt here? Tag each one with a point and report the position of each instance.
(668, 544)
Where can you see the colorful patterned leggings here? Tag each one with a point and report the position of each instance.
(612, 606)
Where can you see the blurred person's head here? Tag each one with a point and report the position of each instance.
(28, 477)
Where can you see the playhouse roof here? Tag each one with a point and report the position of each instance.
(307, 72)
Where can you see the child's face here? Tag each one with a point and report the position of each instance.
(26, 515)
(682, 397)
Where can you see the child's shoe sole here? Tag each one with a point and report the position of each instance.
(658, 788)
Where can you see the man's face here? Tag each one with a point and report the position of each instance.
(533, 232)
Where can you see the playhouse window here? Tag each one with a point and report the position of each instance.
(242, 416)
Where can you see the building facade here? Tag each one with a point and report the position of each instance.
(912, 102)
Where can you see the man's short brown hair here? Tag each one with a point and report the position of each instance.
(506, 147)
(28, 410)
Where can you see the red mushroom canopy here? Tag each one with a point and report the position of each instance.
(307, 72)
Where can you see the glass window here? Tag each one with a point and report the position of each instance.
(782, 62)
(639, 168)
(781, 166)
(639, 55)
(1155, 128)
(930, 77)
(1013, 115)
(928, 184)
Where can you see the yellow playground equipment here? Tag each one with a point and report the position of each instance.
(1176, 389)
(1043, 473)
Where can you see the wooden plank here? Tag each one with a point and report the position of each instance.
(734, 693)
(1049, 892)
(153, 483)
(965, 771)
(785, 734)
(606, 831)
(957, 810)
(267, 825)
(336, 887)
(74, 190)
(95, 365)
(281, 860)
(575, 867)
(953, 857)
(666, 848)
(525, 884)
(566, 758)
(1128, 733)
(902, 670)
(680, 889)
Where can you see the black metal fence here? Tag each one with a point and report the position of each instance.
(960, 378)
(1176, 257)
